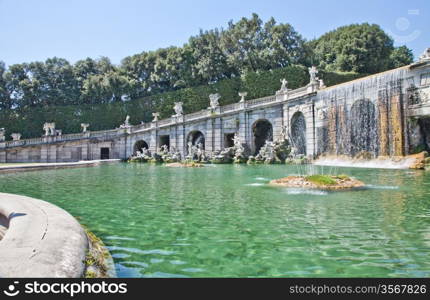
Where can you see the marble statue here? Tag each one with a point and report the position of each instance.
(425, 55)
(284, 84)
(313, 74)
(155, 116)
(242, 96)
(2, 132)
(178, 109)
(85, 126)
(321, 82)
(214, 100)
(49, 128)
(16, 136)
(126, 122)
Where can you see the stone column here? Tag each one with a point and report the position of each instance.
(153, 140)
(2, 153)
(217, 134)
(209, 136)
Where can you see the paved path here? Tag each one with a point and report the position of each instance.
(42, 240)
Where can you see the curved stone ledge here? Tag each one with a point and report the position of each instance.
(42, 240)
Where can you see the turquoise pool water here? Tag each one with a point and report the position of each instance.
(224, 221)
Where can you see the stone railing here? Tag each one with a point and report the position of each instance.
(231, 107)
(165, 122)
(196, 115)
(261, 101)
(298, 92)
(108, 134)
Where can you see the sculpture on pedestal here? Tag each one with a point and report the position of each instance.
(178, 109)
(2, 132)
(214, 103)
(242, 96)
(313, 74)
(85, 126)
(16, 136)
(155, 116)
(426, 55)
(49, 128)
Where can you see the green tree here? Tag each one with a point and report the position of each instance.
(5, 99)
(361, 48)
(401, 56)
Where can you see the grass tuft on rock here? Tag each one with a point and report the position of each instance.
(321, 179)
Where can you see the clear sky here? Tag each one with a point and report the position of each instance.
(33, 30)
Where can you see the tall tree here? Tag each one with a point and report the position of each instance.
(5, 99)
(361, 48)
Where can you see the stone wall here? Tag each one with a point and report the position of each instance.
(371, 114)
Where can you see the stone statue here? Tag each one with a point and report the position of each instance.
(425, 55)
(155, 115)
(178, 109)
(16, 136)
(322, 113)
(321, 82)
(49, 128)
(84, 126)
(2, 132)
(284, 84)
(58, 132)
(214, 103)
(164, 149)
(313, 74)
(242, 96)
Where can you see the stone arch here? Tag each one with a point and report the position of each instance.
(262, 131)
(139, 145)
(195, 137)
(298, 132)
(363, 127)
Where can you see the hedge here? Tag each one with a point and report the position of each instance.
(29, 122)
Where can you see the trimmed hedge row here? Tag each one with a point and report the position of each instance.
(29, 122)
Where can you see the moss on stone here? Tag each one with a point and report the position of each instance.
(321, 179)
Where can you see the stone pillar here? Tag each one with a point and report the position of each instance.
(209, 136)
(2, 153)
(217, 134)
(52, 153)
(310, 129)
(44, 153)
(153, 140)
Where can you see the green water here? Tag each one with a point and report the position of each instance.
(225, 221)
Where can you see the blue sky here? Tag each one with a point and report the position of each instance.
(75, 29)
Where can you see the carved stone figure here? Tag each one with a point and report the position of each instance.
(313, 74)
(214, 100)
(58, 132)
(85, 126)
(425, 55)
(178, 109)
(16, 136)
(242, 96)
(284, 84)
(49, 128)
(322, 113)
(155, 116)
(2, 133)
(322, 85)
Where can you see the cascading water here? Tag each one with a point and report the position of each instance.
(366, 117)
